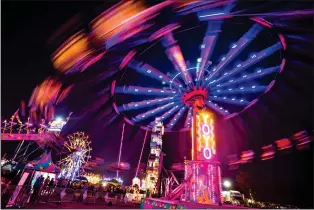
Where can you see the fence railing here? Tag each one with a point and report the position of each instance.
(14, 196)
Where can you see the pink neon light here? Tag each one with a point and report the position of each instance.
(127, 59)
(116, 108)
(192, 139)
(92, 61)
(161, 32)
(128, 121)
(251, 104)
(113, 87)
(282, 66)
(283, 41)
(270, 86)
(262, 22)
(230, 116)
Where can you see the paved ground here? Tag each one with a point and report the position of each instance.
(81, 206)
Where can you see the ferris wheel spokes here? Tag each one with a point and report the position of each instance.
(77, 157)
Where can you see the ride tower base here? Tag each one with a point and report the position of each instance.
(202, 182)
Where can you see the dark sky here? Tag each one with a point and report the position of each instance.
(26, 29)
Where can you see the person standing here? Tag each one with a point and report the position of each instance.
(50, 186)
(36, 189)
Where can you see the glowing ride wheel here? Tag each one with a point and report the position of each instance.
(75, 155)
(222, 84)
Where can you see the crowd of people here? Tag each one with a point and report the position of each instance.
(45, 186)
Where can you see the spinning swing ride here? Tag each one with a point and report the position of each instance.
(185, 89)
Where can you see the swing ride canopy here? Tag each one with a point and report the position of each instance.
(161, 57)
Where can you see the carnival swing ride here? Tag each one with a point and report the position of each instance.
(185, 90)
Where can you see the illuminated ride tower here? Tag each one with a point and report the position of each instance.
(155, 158)
(202, 173)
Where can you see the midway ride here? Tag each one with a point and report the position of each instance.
(174, 67)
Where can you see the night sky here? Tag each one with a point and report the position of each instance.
(288, 179)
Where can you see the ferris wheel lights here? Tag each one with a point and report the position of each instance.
(223, 58)
(199, 60)
(241, 100)
(136, 90)
(233, 99)
(253, 87)
(241, 88)
(149, 71)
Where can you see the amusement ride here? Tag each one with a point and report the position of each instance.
(76, 155)
(204, 74)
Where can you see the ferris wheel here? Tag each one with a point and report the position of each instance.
(75, 155)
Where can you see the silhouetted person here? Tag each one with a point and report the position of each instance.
(36, 189)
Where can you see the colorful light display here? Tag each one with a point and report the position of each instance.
(57, 125)
(202, 173)
(155, 157)
(205, 138)
(93, 178)
(79, 149)
(202, 182)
